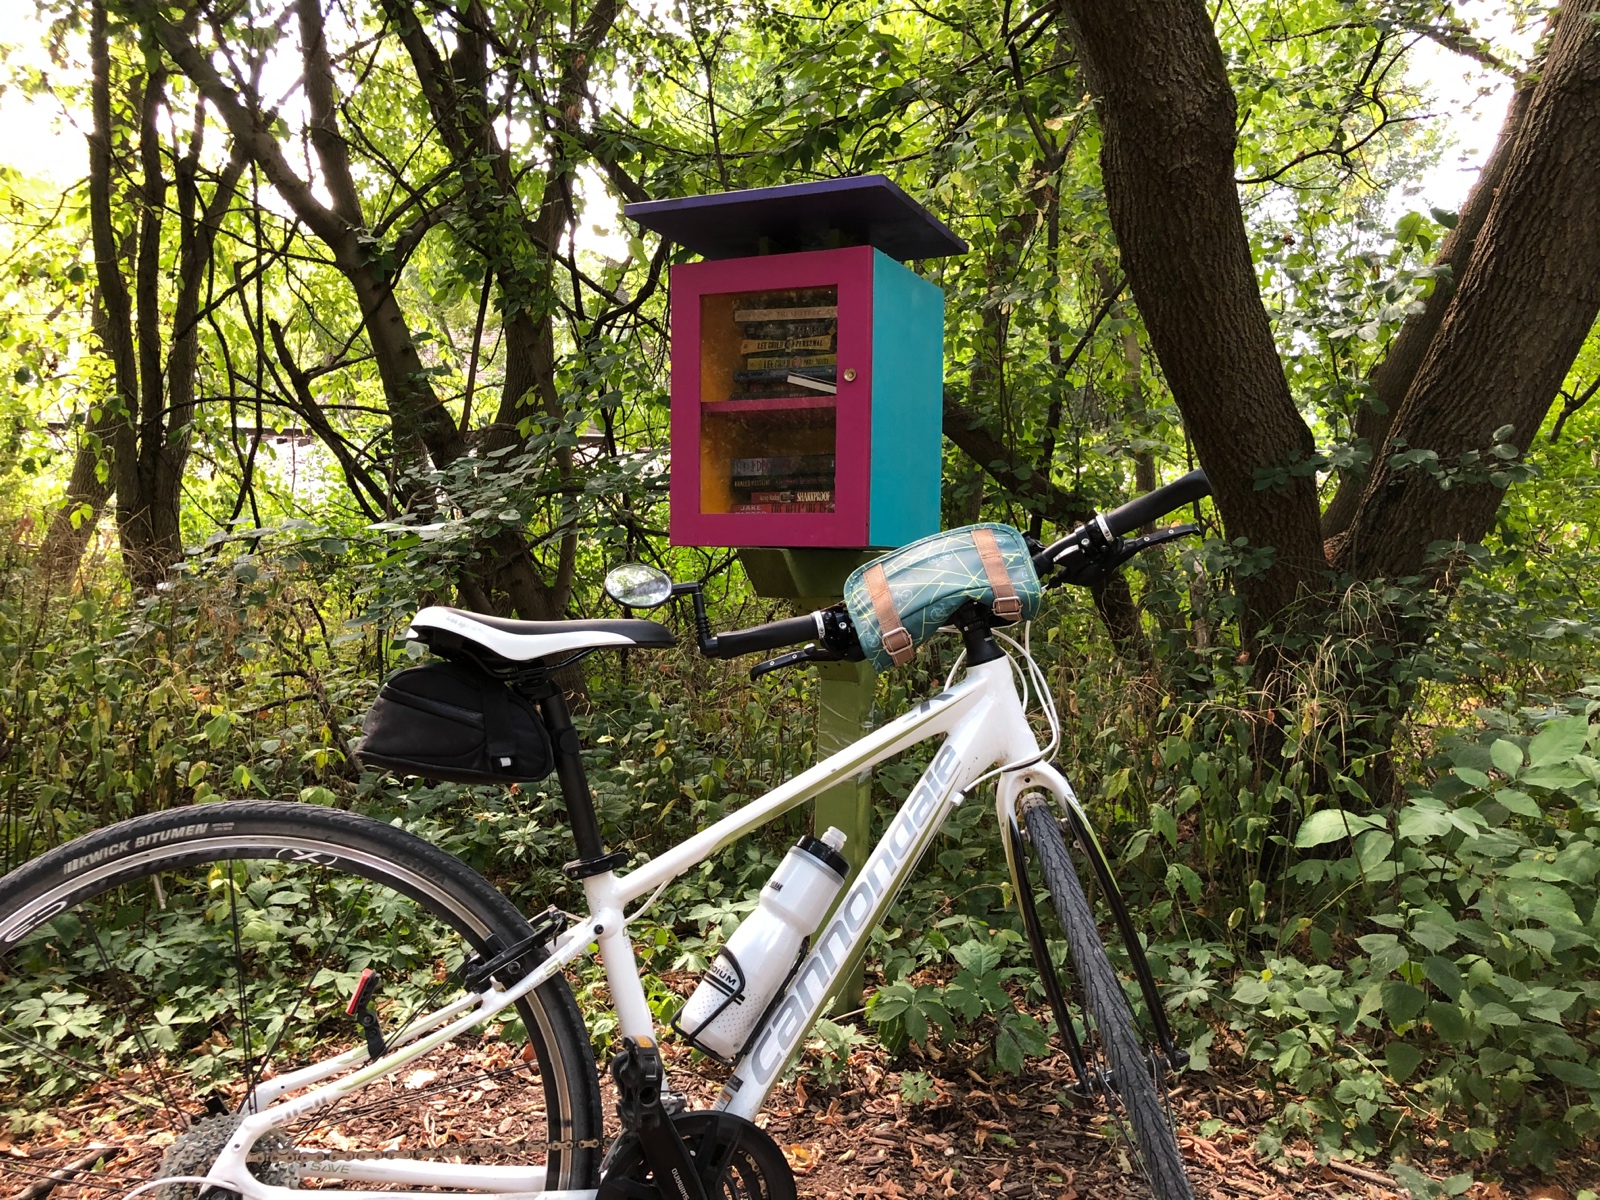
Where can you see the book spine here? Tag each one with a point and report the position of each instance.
(782, 508)
(757, 362)
(783, 464)
(781, 374)
(813, 497)
(768, 344)
(820, 312)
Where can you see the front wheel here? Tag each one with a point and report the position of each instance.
(157, 977)
(1113, 1035)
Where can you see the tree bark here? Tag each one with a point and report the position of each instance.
(1528, 300)
(519, 246)
(1391, 378)
(114, 316)
(420, 421)
(1167, 116)
(70, 527)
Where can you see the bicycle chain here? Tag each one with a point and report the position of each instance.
(467, 1151)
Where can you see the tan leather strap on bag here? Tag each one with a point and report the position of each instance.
(1007, 604)
(896, 641)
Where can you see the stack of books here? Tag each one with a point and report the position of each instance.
(789, 483)
(784, 336)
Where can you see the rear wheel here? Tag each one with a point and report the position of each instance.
(1112, 1037)
(157, 974)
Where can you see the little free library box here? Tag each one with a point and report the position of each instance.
(807, 365)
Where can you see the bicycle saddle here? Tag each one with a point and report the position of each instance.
(522, 641)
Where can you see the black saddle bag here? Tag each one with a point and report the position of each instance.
(452, 722)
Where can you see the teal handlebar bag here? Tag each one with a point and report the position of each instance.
(899, 601)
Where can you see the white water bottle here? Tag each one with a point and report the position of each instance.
(752, 966)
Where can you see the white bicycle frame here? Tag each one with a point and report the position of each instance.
(985, 728)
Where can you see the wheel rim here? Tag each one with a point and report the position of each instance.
(141, 996)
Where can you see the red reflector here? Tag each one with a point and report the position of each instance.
(360, 994)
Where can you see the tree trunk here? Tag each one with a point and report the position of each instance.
(74, 522)
(1167, 118)
(1392, 377)
(1528, 300)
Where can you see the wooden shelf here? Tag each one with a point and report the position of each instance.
(775, 404)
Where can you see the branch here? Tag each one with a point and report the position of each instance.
(311, 412)
(968, 432)
(1572, 404)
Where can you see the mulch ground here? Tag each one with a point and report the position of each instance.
(979, 1138)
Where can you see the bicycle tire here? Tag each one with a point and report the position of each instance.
(1152, 1133)
(404, 901)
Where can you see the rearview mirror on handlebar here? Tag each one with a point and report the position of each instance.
(635, 585)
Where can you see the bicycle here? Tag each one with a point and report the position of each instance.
(186, 971)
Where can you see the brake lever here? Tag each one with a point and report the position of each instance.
(811, 653)
(1158, 538)
(1112, 557)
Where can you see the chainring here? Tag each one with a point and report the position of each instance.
(752, 1165)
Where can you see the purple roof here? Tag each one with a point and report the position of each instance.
(865, 210)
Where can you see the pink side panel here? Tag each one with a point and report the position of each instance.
(846, 526)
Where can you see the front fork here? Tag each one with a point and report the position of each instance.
(1013, 789)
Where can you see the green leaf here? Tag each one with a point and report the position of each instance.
(1576, 1074)
(1555, 777)
(1330, 825)
(1421, 1186)
(1520, 803)
(1251, 991)
(1448, 1021)
(1178, 875)
(1444, 975)
(1020, 1036)
(1402, 1058)
(217, 729)
(1507, 757)
(1498, 1014)
(1401, 1001)
(1419, 822)
(1163, 823)
(1558, 741)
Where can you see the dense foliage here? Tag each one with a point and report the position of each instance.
(1373, 882)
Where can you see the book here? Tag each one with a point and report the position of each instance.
(782, 464)
(781, 374)
(784, 393)
(782, 508)
(761, 362)
(821, 341)
(771, 331)
(815, 496)
(748, 487)
(817, 312)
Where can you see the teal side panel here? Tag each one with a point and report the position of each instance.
(907, 404)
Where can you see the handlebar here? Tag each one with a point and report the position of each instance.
(1096, 548)
(773, 636)
(1147, 508)
(1084, 556)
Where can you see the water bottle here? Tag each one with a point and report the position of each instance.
(755, 962)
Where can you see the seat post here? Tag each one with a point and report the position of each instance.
(574, 787)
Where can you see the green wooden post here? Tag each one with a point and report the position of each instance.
(844, 702)
(845, 692)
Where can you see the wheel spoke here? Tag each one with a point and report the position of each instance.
(238, 965)
(129, 996)
(152, 1067)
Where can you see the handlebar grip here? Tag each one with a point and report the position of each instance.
(1156, 504)
(773, 636)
